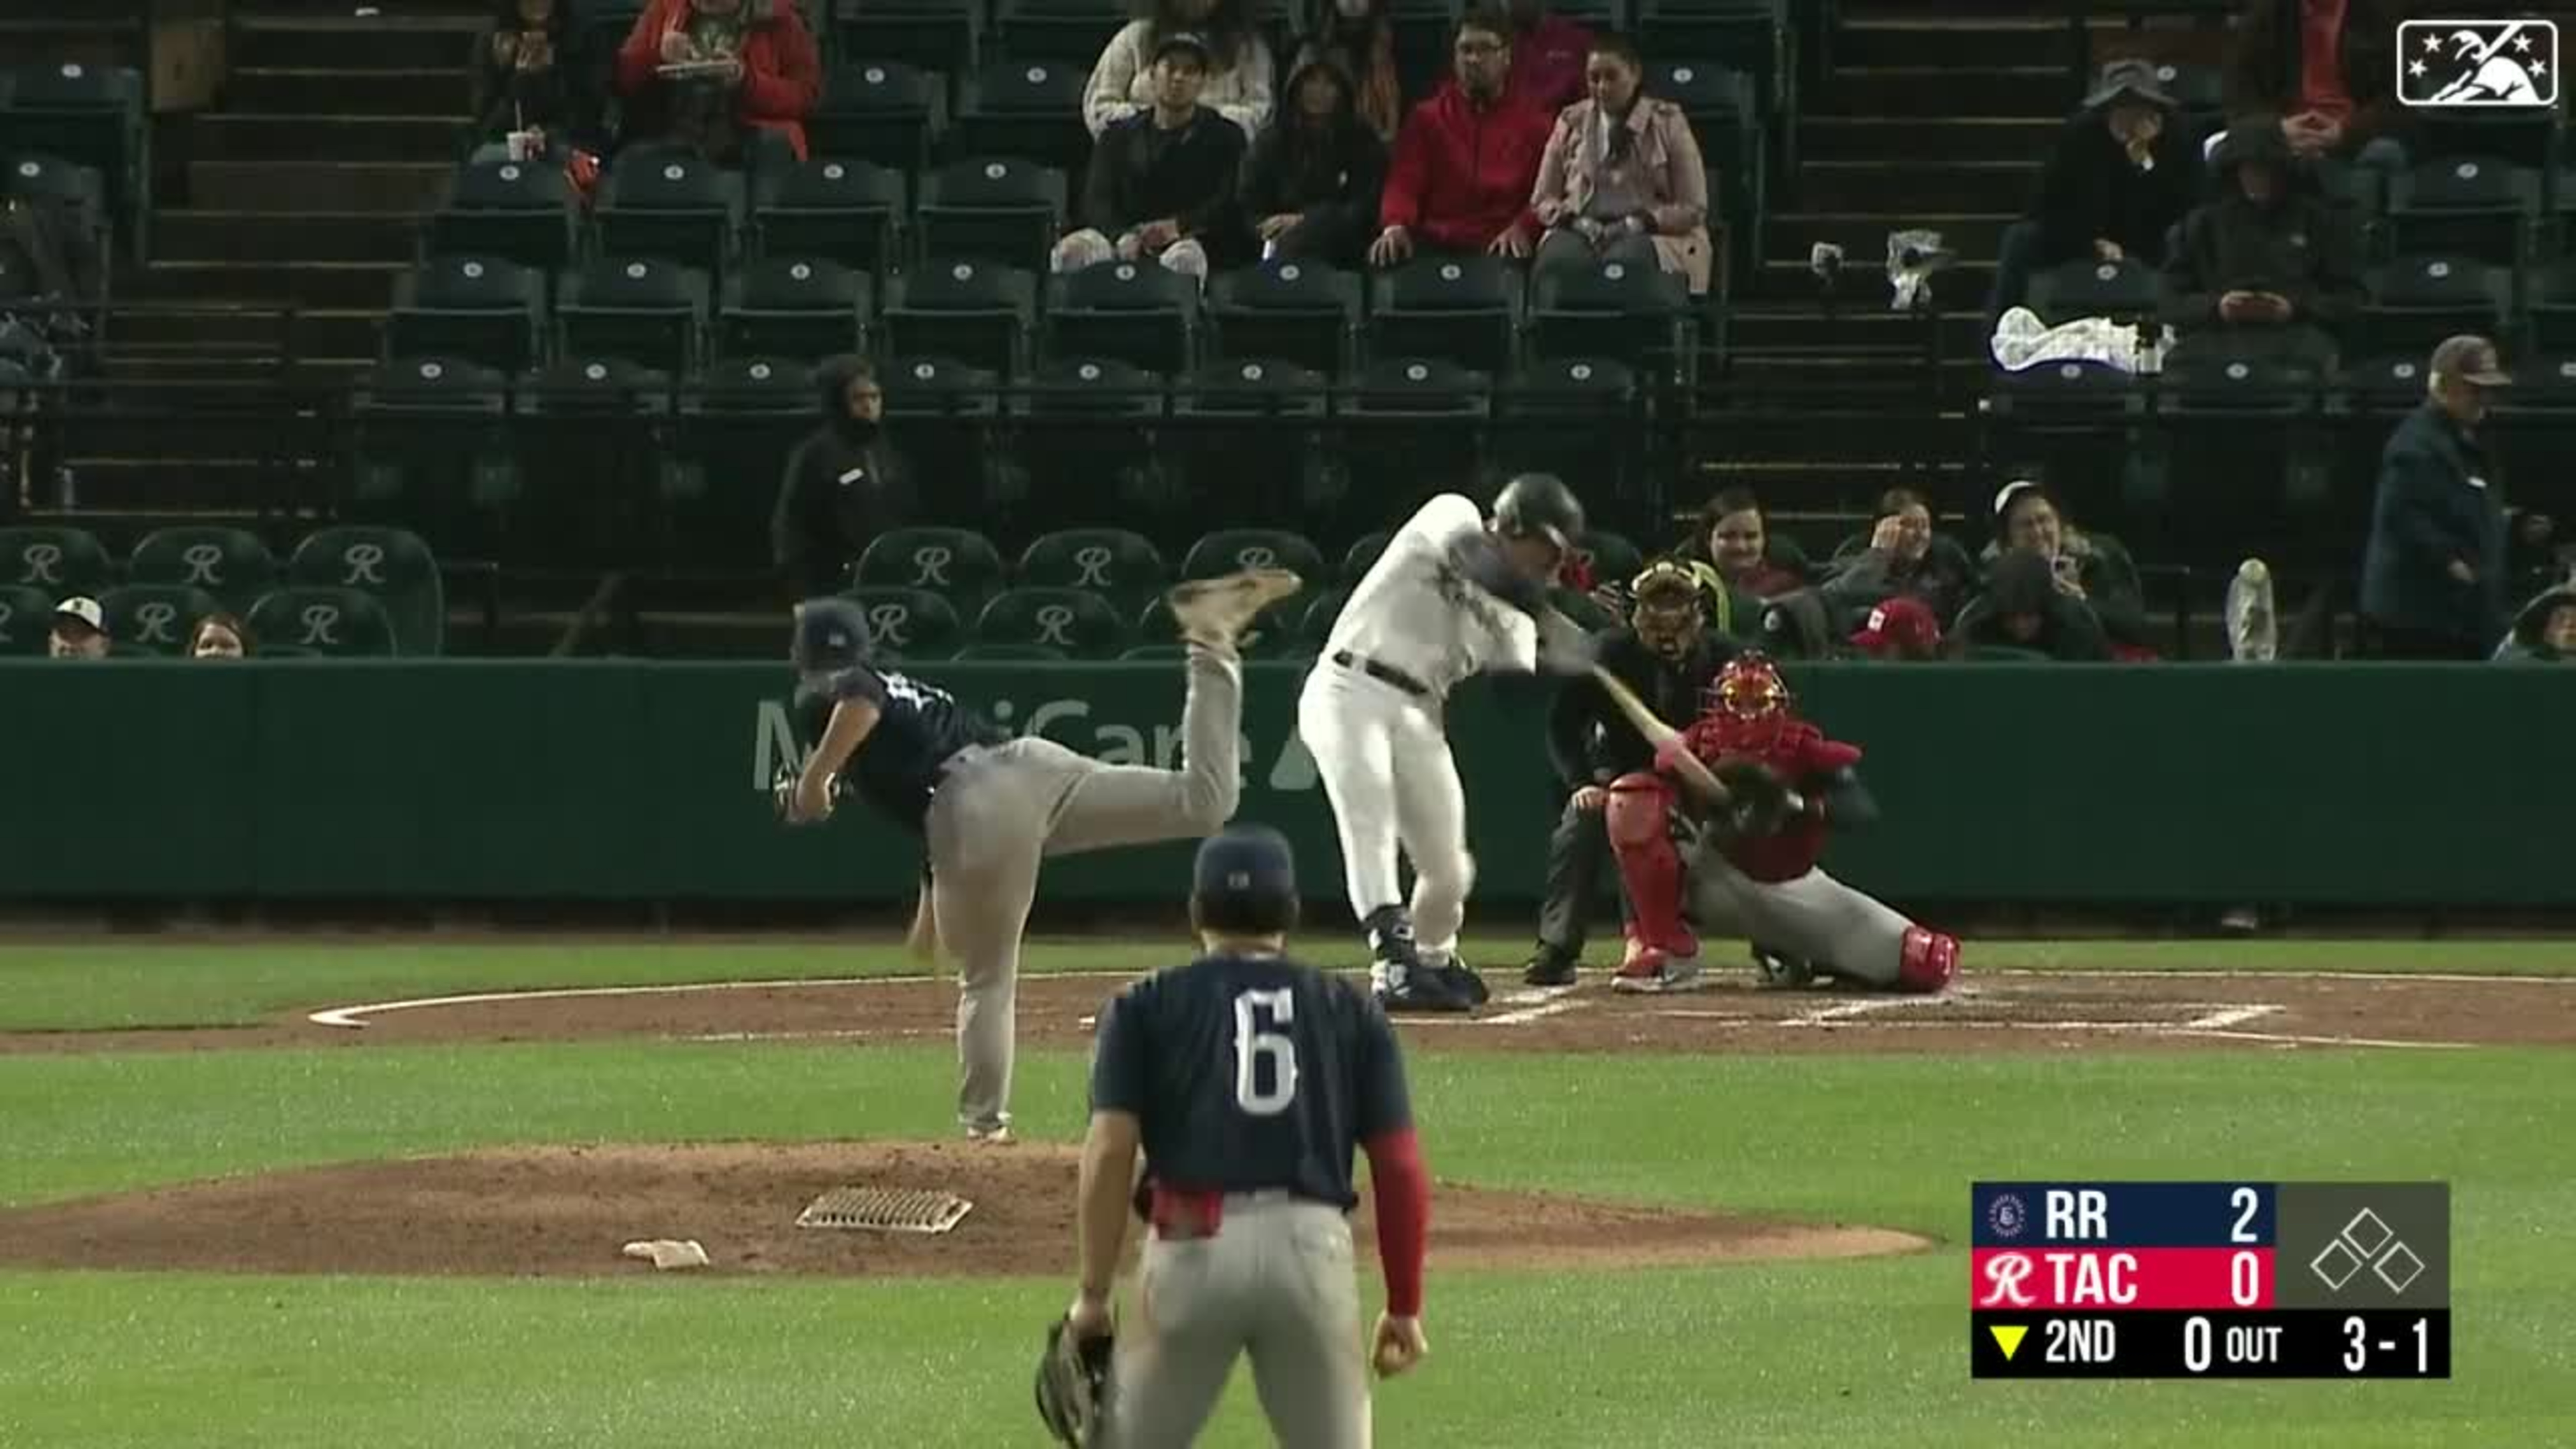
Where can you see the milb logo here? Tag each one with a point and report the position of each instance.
(2490, 64)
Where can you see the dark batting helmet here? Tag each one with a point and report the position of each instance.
(1539, 505)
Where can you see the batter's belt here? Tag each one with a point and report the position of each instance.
(1382, 673)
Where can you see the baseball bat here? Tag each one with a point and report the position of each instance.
(1693, 771)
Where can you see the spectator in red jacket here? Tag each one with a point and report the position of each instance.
(1466, 158)
(732, 79)
(1548, 53)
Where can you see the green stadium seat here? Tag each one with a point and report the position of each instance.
(332, 623)
(486, 310)
(738, 425)
(1464, 310)
(1637, 315)
(94, 118)
(1144, 316)
(392, 565)
(886, 111)
(1083, 624)
(805, 308)
(428, 433)
(670, 204)
(645, 310)
(965, 311)
(26, 619)
(909, 624)
(228, 563)
(155, 618)
(956, 563)
(60, 561)
(1301, 312)
(938, 36)
(982, 652)
(1030, 108)
(1110, 561)
(1612, 559)
(1071, 32)
(994, 209)
(1229, 550)
(1363, 556)
(522, 211)
(840, 208)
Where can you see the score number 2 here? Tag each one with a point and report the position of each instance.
(2356, 1354)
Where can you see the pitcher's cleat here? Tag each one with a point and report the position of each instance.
(1213, 613)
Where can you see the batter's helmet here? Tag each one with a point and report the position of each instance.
(1540, 505)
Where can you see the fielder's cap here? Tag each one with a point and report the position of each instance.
(1187, 43)
(2470, 358)
(2130, 79)
(831, 635)
(1900, 622)
(83, 608)
(1245, 879)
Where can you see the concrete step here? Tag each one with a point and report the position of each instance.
(406, 188)
(298, 139)
(1907, 140)
(1862, 234)
(1943, 90)
(1862, 286)
(336, 285)
(442, 92)
(1985, 41)
(348, 43)
(1905, 188)
(191, 235)
(321, 332)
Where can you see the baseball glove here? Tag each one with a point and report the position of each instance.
(1760, 802)
(1073, 1379)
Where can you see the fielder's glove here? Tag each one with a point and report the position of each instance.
(1759, 801)
(1073, 1380)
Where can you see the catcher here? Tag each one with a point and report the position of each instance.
(1751, 868)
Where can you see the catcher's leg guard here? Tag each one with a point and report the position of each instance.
(1641, 836)
(1930, 961)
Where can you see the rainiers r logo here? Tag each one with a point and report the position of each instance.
(2004, 1277)
(2490, 64)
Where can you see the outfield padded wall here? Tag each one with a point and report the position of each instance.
(618, 780)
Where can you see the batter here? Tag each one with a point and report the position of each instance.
(1454, 594)
(990, 808)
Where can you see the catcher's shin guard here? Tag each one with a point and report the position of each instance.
(1929, 961)
(1641, 836)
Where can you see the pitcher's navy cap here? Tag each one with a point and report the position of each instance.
(1245, 880)
(831, 635)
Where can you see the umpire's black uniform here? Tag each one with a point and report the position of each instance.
(1592, 743)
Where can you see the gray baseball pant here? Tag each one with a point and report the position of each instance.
(1815, 916)
(1001, 810)
(1276, 1282)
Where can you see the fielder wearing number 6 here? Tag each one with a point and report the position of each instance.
(1246, 1081)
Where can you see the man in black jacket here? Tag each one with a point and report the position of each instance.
(843, 485)
(1162, 182)
(2433, 580)
(2123, 173)
(2268, 267)
(1668, 656)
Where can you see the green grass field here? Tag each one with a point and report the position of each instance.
(1843, 1354)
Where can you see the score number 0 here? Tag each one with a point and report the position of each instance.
(2244, 1282)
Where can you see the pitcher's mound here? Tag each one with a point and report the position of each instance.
(550, 1211)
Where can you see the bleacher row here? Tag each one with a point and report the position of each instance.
(70, 131)
(341, 592)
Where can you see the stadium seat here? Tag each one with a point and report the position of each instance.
(1265, 386)
(75, 193)
(1611, 558)
(1464, 310)
(939, 36)
(1637, 315)
(844, 210)
(26, 619)
(1068, 32)
(956, 563)
(156, 618)
(1726, 115)
(228, 563)
(2383, 386)
(2480, 207)
(1145, 316)
(391, 565)
(1428, 386)
(670, 205)
(643, 310)
(944, 410)
(1027, 108)
(60, 561)
(1228, 550)
(489, 311)
(982, 652)
(1363, 556)
(2415, 302)
(91, 117)
(940, 387)
(332, 623)
(885, 112)
(430, 431)
(1302, 312)
(971, 312)
(2552, 308)
(804, 308)
(1083, 624)
(2123, 290)
(1287, 472)
(1111, 561)
(911, 625)
(738, 423)
(1562, 415)
(520, 211)
(992, 209)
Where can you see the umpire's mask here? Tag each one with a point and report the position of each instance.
(1667, 612)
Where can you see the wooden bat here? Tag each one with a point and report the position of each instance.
(1694, 772)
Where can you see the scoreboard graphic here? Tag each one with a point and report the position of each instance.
(2210, 1280)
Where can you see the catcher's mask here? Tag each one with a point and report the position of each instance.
(1749, 687)
(1667, 612)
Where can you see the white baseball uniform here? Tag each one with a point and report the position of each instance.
(1371, 717)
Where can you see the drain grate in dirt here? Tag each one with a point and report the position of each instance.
(885, 1210)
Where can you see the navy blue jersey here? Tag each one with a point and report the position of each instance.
(919, 726)
(1251, 1073)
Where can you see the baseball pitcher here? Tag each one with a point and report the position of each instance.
(1760, 882)
(990, 808)
(1247, 1081)
(1452, 595)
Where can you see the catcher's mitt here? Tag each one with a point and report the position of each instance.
(1073, 1380)
(1760, 803)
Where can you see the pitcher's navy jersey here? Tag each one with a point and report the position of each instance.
(919, 726)
(1251, 1073)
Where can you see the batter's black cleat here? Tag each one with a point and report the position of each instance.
(1397, 973)
(1463, 981)
(1548, 966)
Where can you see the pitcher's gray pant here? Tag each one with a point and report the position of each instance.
(999, 811)
(1815, 916)
(1276, 1282)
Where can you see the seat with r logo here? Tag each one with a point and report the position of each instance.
(332, 623)
(26, 619)
(1228, 550)
(957, 563)
(1112, 561)
(60, 561)
(228, 563)
(155, 618)
(1083, 624)
(393, 565)
(908, 623)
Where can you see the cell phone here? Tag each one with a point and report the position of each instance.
(2063, 566)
